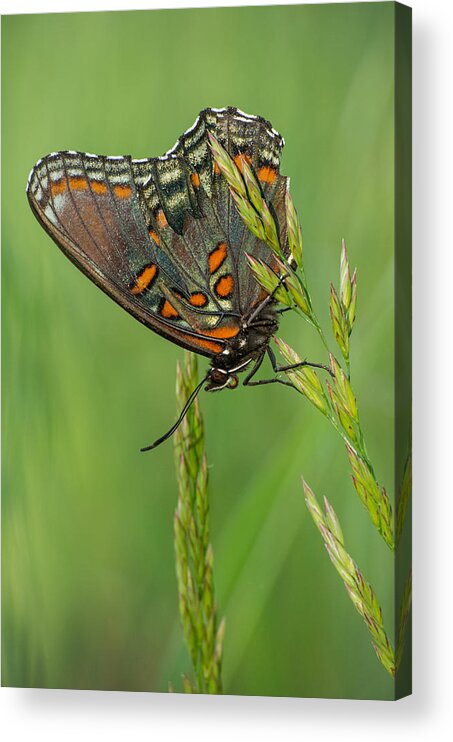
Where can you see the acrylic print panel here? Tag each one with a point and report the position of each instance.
(205, 565)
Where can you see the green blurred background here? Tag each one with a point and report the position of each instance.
(89, 591)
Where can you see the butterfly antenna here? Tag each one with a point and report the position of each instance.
(178, 422)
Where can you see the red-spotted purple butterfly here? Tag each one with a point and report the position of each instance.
(162, 237)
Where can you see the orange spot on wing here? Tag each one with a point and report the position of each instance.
(195, 178)
(204, 342)
(58, 186)
(154, 236)
(168, 311)
(78, 184)
(239, 159)
(98, 187)
(267, 174)
(216, 168)
(161, 219)
(198, 299)
(144, 279)
(229, 331)
(217, 256)
(122, 191)
(201, 342)
(224, 286)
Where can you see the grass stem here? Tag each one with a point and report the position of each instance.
(193, 551)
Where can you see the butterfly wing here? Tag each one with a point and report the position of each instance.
(161, 236)
(243, 136)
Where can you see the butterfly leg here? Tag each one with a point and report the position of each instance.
(278, 369)
(267, 300)
(248, 379)
(282, 310)
(293, 366)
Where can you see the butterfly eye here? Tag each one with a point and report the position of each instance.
(218, 376)
(217, 379)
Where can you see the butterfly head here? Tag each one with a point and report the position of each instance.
(219, 378)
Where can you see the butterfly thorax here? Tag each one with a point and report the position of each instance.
(247, 346)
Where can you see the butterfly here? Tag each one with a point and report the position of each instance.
(162, 237)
